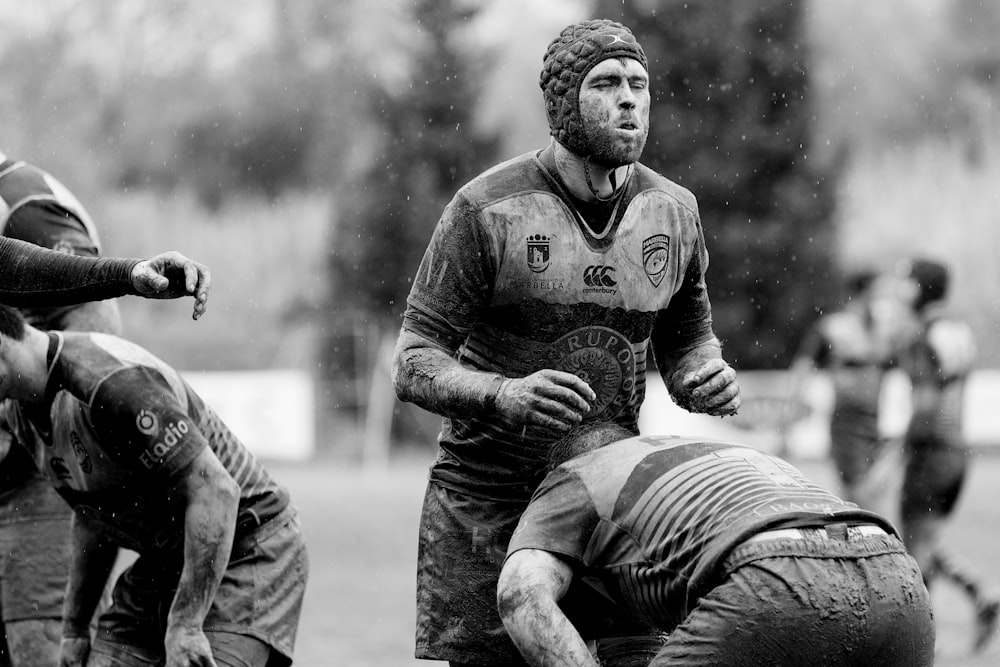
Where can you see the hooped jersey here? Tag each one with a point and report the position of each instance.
(117, 427)
(513, 281)
(846, 345)
(648, 521)
(37, 208)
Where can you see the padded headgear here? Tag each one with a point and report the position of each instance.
(568, 59)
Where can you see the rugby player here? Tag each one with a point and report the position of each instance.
(732, 551)
(856, 346)
(146, 465)
(34, 520)
(937, 458)
(548, 284)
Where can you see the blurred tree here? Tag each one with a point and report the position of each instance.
(730, 121)
(385, 214)
(427, 150)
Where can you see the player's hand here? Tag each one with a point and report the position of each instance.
(549, 399)
(171, 275)
(187, 647)
(74, 651)
(711, 389)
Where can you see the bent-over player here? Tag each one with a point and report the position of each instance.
(733, 551)
(148, 466)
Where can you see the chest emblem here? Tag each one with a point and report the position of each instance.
(602, 358)
(538, 253)
(82, 457)
(655, 253)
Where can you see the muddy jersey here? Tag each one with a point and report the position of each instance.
(649, 520)
(513, 281)
(118, 425)
(938, 363)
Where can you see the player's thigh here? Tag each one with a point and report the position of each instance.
(33, 642)
(234, 650)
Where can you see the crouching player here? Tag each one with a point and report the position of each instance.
(734, 552)
(148, 466)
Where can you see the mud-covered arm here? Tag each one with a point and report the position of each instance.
(531, 584)
(451, 290)
(211, 503)
(90, 566)
(687, 353)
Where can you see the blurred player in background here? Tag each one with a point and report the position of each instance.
(732, 551)
(148, 466)
(548, 284)
(855, 346)
(937, 459)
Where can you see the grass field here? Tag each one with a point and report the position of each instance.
(361, 527)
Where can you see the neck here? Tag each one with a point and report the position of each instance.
(584, 178)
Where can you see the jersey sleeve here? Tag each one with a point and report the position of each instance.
(455, 278)
(560, 519)
(687, 320)
(38, 277)
(142, 424)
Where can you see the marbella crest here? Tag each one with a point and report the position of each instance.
(538, 252)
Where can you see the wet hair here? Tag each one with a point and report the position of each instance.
(932, 281)
(585, 438)
(11, 322)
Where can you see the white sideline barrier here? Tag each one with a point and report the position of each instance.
(272, 411)
(810, 437)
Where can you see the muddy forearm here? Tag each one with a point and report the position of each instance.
(431, 378)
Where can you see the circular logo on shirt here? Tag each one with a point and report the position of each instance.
(147, 423)
(602, 358)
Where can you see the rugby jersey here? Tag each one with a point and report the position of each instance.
(514, 281)
(845, 344)
(37, 208)
(117, 426)
(938, 363)
(649, 520)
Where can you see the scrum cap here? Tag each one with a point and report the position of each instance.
(567, 60)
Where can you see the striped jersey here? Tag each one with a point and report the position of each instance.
(846, 345)
(649, 520)
(37, 208)
(514, 281)
(117, 426)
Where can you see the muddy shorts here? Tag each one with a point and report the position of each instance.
(35, 550)
(260, 598)
(462, 545)
(820, 599)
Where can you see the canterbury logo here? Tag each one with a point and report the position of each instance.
(600, 276)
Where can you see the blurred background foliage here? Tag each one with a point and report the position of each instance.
(304, 150)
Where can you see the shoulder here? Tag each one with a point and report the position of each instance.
(515, 176)
(652, 181)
